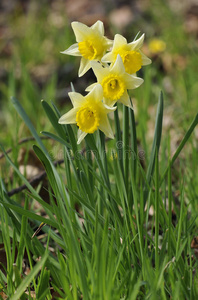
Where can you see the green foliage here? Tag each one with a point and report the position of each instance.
(108, 248)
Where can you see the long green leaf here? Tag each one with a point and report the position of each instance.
(91, 142)
(29, 214)
(56, 138)
(53, 119)
(27, 280)
(181, 145)
(156, 142)
(28, 122)
(32, 190)
(133, 141)
(50, 170)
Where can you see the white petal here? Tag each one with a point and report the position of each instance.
(108, 102)
(110, 108)
(133, 82)
(76, 98)
(109, 43)
(98, 26)
(118, 66)
(137, 44)
(125, 99)
(119, 41)
(90, 87)
(99, 71)
(81, 136)
(81, 31)
(69, 117)
(145, 59)
(96, 93)
(72, 50)
(106, 127)
(105, 65)
(108, 57)
(84, 66)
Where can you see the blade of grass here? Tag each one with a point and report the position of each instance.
(21, 247)
(56, 138)
(126, 144)
(53, 119)
(156, 143)
(51, 171)
(27, 280)
(28, 122)
(33, 191)
(169, 212)
(91, 142)
(133, 141)
(119, 142)
(181, 146)
(29, 214)
(156, 211)
(181, 219)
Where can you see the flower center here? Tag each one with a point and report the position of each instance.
(132, 61)
(87, 118)
(113, 87)
(91, 48)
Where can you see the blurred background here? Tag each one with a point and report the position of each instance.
(33, 33)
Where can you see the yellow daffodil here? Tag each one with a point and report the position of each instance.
(130, 53)
(115, 82)
(89, 113)
(91, 44)
(157, 46)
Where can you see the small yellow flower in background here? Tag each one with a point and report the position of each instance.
(157, 46)
(115, 82)
(89, 113)
(91, 44)
(130, 53)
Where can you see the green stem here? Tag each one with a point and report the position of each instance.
(133, 141)
(92, 145)
(169, 212)
(104, 156)
(156, 210)
(90, 165)
(119, 143)
(183, 142)
(126, 145)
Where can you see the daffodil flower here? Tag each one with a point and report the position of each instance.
(115, 82)
(131, 55)
(91, 44)
(89, 113)
(157, 46)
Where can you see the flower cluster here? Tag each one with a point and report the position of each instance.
(114, 64)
